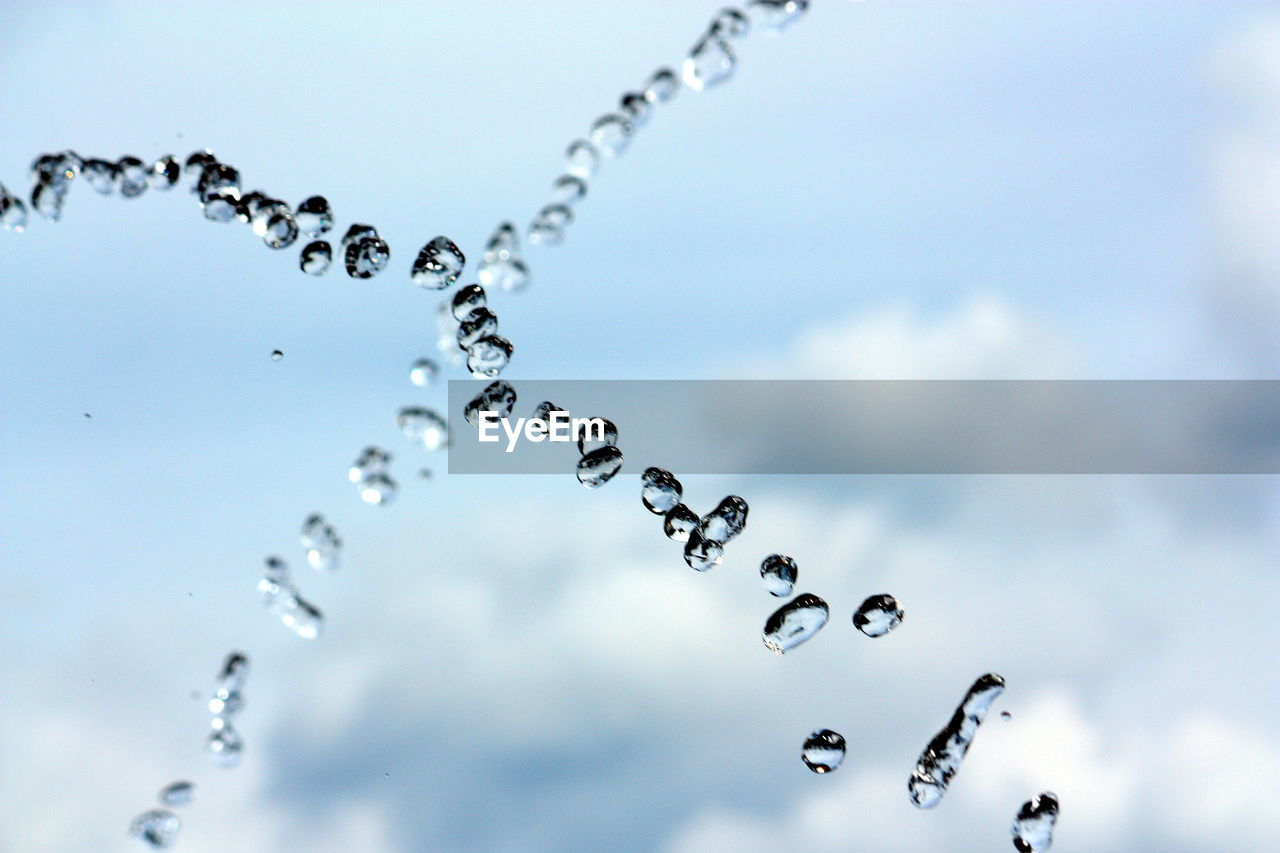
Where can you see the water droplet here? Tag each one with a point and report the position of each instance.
(282, 230)
(568, 189)
(218, 179)
(476, 325)
(795, 622)
(261, 213)
(250, 204)
(301, 616)
(497, 397)
(276, 354)
(592, 437)
(660, 491)
(377, 489)
(356, 233)
(544, 410)
(13, 212)
(131, 177)
(367, 257)
(423, 372)
(661, 86)
(100, 174)
(164, 173)
(726, 521)
(372, 460)
(581, 158)
(177, 794)
(702, 554)
(315, 258)
(234, 672)
(729, 23)
(940, 760)
(680, 523)
(599, 466)
(321, 542)
(823, 751)
(466, 300)
(423, 426)
(221, 206)
(424, 473)
(878, 615)
(1033, 826)
(438, 264)
(196, 162)
(157, 829)
(636, 107)
(487, 357)
(709, 63)
(773, 16)
(503, 243)
(224, 745)
(46, 200)
(543, 233)
(314, 216)
(1005, 715)
(779, 573)
(611, 133)
(511, 274)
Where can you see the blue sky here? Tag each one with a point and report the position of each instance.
(888, 189)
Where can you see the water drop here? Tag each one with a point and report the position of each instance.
(100, 174)
(234, 672)
(779, 573)
(13, 212)
(164, 173)
(660, 491)
(438, 264)
(301, 616)
(276, 354)
(221, 206)
(729, 23)
(262, 212)
(157, 829)
(423, 426)
(489, 356)
(46, 200)
(593, 437)
(218, 179)
(581, 158)
(131, 177)
(282, 230)
(315, 258)
(497, 397)
(423, 372)
(224, 745)
(661, 86)
(823, 751)
(1033, 825)
(466, 300)
(878, 615)
(372, 460)
(1005, 715)
(510, 274)
(545, 409)
(314, 216)
(356, 233)
(543, 233)
(795, 622)
(726, 521)
(476, 325)
(636, 107)
(940, 760)
(680, 523)
(367, 257)
(599, 466)
(708, 64)
(568, 189)
(321, 542)
(503, 243)
(377, 489)
(773, 16)
(177, 794)
(424, 473)
(196, 162)
(610, 134)
(702, 554)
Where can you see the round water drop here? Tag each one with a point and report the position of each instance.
(282, 230)
(156, 829)
(315, 258)
(466, 300)
(593, 437)
(487, 357)
(680, 523)
(276, 354)
(823, 751)
(581, 158)
(773, 16)
(709, 63)
(878, 615)
(726, 521)
(196, 162)
(478, 324)
(660, 491)
(545, 409)
(599, 466)
(218, 178)
(497, 397)
(438, 264)
(1005, 715)
(177, 794)
(636, 107)
(1034, 823)
(13, 213)
(221, 206)
(367, 257)
(101, 175)
(131, 177)
(224, 745)
(423, 372)
(423, 426)
(314, 216)
(164, 173)
(661, 86)
(779, 573)
(702, 554)
(568, 189)
(611, 133)
(322, 543)
(356, 233)
(795, 622)
(377, 489)
(262, 212)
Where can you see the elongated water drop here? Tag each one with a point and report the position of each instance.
(156, 829)
(497, 397)
(177, 794)
(423, 426)
(438, 264)
(321, 542)
(315, 258)
(709, 63)
(940, 760)
(611, 134)
(599, 466)
(779, 573)
(314, 216)
(680, 523)
(726, 521)
(581, 159)
(702, 554)
(1033, 825)
(487, 357)
(878, 615)
(423, 372)
(823, 751)
(795, 622)
(660, 491)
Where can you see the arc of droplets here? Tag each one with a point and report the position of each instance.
(941, 758)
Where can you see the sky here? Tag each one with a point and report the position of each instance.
(886, 190)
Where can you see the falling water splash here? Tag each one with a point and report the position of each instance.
(941, 758)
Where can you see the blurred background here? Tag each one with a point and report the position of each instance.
(886, 190)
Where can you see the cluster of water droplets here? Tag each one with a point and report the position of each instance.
(224, 744)
(1034, 823)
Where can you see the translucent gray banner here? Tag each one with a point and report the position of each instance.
(892, 427)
